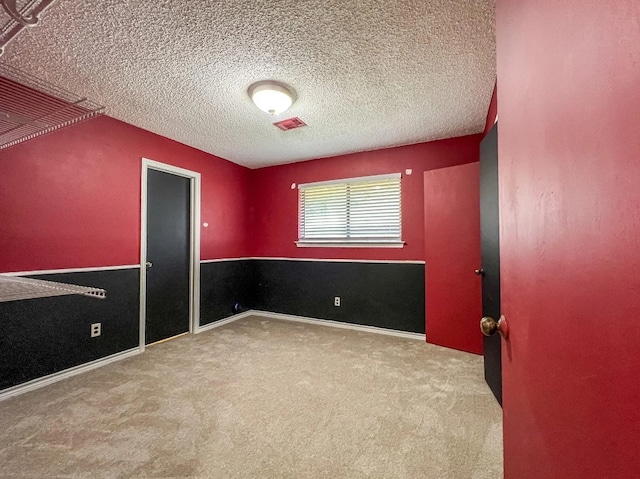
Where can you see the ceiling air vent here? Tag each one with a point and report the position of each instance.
(31, 107)
(290, 123)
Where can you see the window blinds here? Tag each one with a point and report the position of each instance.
(351, 210)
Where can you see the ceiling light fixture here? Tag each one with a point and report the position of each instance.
(271, 96)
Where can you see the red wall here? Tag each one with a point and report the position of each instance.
(569, 159)
(275, 204)
(72, 198)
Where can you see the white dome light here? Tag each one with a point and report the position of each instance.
(271, 97)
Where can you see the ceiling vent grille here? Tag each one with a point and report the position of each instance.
(290, 123)
(30, 107)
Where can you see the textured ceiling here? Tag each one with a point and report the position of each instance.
(368, 74)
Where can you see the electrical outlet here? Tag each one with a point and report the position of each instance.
(96, 329)
(336, 301)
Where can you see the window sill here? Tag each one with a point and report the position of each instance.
(350, 244)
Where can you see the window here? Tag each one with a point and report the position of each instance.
(351, 212)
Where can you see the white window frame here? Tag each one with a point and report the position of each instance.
(345, 242)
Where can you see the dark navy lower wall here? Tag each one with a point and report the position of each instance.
(39, 337)
(386, 295)
(223, 285)
(42, 336)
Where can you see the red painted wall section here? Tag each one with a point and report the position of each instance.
(569, 160)
(275, 204)
(492, 114)
(72, 198)
(452, 253)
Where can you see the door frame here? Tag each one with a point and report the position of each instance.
(194, 243)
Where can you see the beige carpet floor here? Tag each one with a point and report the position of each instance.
(262, 398)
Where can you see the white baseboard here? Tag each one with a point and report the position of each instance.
(321, 322)
(67, 373)
(222, 322)
(339, 324)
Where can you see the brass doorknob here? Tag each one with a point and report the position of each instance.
(490, 326)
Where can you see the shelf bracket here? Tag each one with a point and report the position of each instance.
(11, 7)
(20, 18)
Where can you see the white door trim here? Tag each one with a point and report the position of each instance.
(194, 261)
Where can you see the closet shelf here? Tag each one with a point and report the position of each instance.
(14, 288)
(31, 107)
